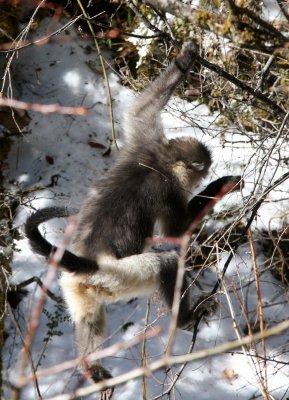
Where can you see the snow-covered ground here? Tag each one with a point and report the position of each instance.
(58, 146)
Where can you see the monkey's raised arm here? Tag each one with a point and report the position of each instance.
(142, 121)
(181, 218)
(221, 186)
(40, 245)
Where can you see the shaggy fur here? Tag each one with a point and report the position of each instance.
(151, 181)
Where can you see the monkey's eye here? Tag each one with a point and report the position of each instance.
(197, 166)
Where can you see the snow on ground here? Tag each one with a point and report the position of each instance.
(58, 145)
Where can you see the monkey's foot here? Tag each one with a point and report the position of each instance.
(98, 373)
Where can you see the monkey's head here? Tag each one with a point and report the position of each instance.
(191, 160)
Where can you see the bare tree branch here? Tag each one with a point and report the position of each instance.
(43, 108)
(174, 360)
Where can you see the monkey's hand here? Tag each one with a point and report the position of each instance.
(197, 206)
(224, 185)
(187, 56)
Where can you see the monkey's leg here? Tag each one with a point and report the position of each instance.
(226, 184)
(115, 279)
(141, 274)
(188, 312)
(137, 275)
(88, 314)
(89, 336)
(168, 277)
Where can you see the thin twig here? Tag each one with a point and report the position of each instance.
(254, 209)
(97, 355)
(7, 74)
(103, 71)
(262, 168)
(260, 311)
(211, 20)
(143, 350)
(43, 108)
(36, 312)
(242, 85)
(6, 48)
(284, 8)
(145, 20)
(35, 279)
(177, 293)
(238, 332)
(174, 360)
(265, 72)
(29, 355)
(172, 6)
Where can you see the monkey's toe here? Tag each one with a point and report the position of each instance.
(106, 394)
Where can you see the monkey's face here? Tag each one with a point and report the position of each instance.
(192, 160)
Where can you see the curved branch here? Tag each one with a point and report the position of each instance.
(242, 85)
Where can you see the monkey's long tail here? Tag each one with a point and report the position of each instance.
(69, 261)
